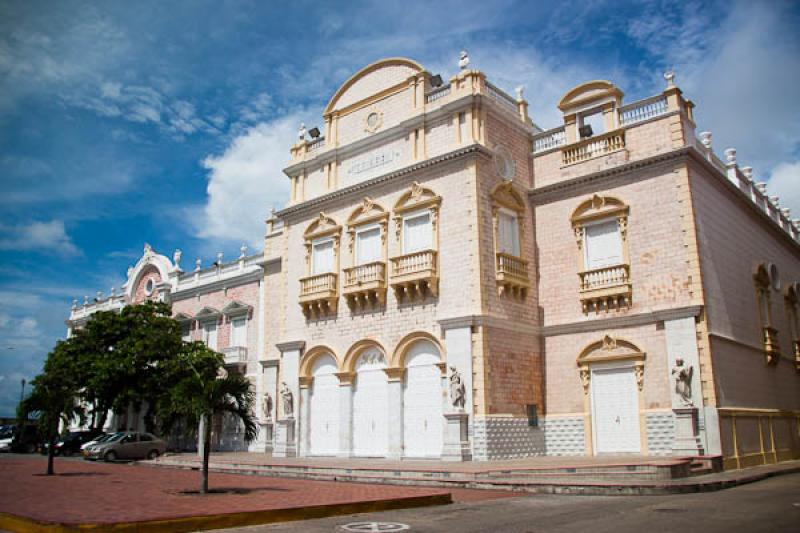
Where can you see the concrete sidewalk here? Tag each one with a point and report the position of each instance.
(552, 475)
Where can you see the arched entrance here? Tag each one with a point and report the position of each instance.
(324, 412)
(422, 401)
(371, 405)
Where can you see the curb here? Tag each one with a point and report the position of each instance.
(587, 488)
(21, 524)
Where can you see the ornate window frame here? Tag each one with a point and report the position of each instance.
(791, 299)
(764, 280)
(366, 284)
(608, 287)
(417, 273)
(319, 292)
(511, 271)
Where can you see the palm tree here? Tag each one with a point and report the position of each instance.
(199, 388)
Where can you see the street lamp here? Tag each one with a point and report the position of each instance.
(22, 392)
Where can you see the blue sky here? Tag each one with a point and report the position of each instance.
(169, 122)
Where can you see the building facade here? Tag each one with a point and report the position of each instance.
(450, 281)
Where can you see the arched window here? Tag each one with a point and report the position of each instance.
(319, 289)
(365, 279)
(792, 303)
(601, 233)
(765, 278)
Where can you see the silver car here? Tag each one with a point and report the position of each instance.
(126, 445)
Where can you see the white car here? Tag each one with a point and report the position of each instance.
(97, 440)
(5, 445)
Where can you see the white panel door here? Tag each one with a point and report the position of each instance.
(371, 409)
(422, 403)
(324, 412)
(615, 411)
(603, 245)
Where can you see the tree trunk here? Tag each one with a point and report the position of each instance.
(101, 421)
(51, 452)
(206, 453)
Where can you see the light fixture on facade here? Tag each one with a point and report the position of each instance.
(585, 131)
(314, 133)
(436, 81)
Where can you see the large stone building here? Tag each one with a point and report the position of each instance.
(450, 281)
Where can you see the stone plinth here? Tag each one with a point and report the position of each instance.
(285, 444)
(456, 442)
(266, 436)
(687, 440)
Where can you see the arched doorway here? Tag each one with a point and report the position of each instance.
(324, 412)
(422, 401)
(371, 405)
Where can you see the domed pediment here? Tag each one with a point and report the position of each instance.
(599, 91)
(373, 79)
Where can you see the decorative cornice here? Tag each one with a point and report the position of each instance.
(270, 363)
(290, 346)
(490, 321)
(316, 203)
(216, 285)
(639, 319)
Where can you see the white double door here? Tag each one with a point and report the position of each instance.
(615, 410)
(371, 408)
(422, 403)
(324, 412)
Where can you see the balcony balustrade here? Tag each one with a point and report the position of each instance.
(591, 147)
(319, 294)
(415, 274)
(235, 355)
(772, 349)
(605, 288)
(365, 284)
(512, 275)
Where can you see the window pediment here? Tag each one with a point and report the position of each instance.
(367, 212)
(417, 197)
(207, 314)
(182, 317)
(236, 308)
(504, 195)
(322, 226)
(610, 349)
(598, 207)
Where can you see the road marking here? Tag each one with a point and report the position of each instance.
(375, 526)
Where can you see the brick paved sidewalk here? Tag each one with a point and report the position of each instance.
(83, 492)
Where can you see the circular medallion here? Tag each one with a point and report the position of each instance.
(149, 286)
(504, 162)
(373, 121)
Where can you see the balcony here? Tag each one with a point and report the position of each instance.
(592, 147)
(365, 284)
(415, 275)
(512, 275)
(772, 349)
(235, 356)
(796, 350)
(605, 288)
(318, 294)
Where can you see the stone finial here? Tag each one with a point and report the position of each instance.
(242, 251)
(747, 172)
(113, 291)
(85, 299)
(219, 258)
(463, 60)
(705, 139)
(730, 155)
(98, 296)
(176, 257)
(75, 304)
(147, 248)
(272, 212)
(670, 77)
(775, 199)
(762, 187)
(786, 212)
(197, 263)
(520, 90)
(301, 133)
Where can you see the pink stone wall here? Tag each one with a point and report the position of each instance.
(148, 273)
(733, 241)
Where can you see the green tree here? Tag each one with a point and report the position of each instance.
(52, 401)
(200, 389)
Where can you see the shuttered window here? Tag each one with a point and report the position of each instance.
(239, 332)
(508, 233)
(417, 233)
(322, 256)
(603, 245)
(368, 245)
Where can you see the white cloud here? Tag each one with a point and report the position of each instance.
(742, 71)
(785, 183)
(46, 237)
(247, 179)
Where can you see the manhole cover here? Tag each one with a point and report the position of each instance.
(375, 526)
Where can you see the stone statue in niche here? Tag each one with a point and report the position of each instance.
(683, 381)
(458, 393)
(288, 400)
(266, 406)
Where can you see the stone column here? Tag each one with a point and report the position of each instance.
(305, 416)
(346, 413)
(395, 414)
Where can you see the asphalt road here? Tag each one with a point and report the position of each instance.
(772, 505)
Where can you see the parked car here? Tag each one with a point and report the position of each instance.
(25, 439)
(6, 434)
(71, 442)
(127, 445)
(102, 437)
